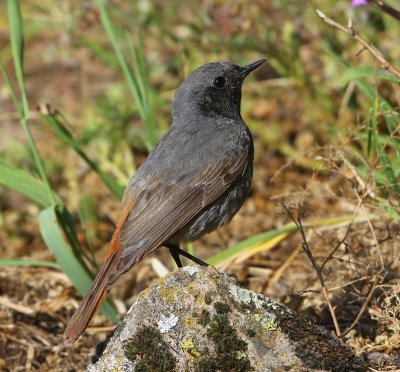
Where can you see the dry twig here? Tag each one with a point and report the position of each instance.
(278, 273)
(318, 269)
(386, 8)
(364, 306)
(307, 250)
(373, 50)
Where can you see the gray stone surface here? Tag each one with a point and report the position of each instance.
(197, 319)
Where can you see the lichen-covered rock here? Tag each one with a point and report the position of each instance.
(198, 319)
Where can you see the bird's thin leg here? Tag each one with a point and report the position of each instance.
(176, 251)
(174, 254)
(192, 258)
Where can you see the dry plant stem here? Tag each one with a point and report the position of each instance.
(343, 240)
(307, 250)
(363, 308)
(374, 51)
(4, 301)
(392, 135)
(350, 283)
(29, 357)
(371, 228)
(278, 273)
(386, 8)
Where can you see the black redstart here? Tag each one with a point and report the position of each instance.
(193, 182)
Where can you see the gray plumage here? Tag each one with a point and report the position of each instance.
(199, 174)
(193, 182)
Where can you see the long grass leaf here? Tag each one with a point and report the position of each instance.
(24, 183)
(268, 240)
(55, 239)
(11, 90)
(359, 72)
(62, 132)
(232, 252)
(371, 133)
(265, 246)
(17, 48)
(28, 262)
(101, 52)
(130, 77)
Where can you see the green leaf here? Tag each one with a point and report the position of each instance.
(134, 78)
(388, 209)
(372, 124)
(248, 243)
(89, 220)
(11, 90)
(28, 262)
(54, 235)
(100, 51)
(17, 48)
(17, 36)
(24, 183)
(355, 73)
(63, 133)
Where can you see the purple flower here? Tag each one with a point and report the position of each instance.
(355, 3)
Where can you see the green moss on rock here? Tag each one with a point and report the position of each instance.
(208, 298)
(149, 351)
(221, 308)
(230, 351)
(327, 353)
(204, 318)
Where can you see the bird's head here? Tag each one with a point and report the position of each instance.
(212, 90)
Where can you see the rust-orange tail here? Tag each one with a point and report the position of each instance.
(100, 287)
(92, 301)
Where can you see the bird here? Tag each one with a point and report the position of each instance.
(193, 182)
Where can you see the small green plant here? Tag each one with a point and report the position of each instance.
(136, 76)
(377, 159)
(55, 221)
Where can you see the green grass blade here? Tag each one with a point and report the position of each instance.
(139, 74)
(11, 90)
(22, 182)
(63, 133)
(227, 254)
(372, 123)
(17, 48)
(55, 238)
(111, 33)
(359, 72)
(28, 262)
(101, 52)
(130, 77)
(68, 226)
(384, 106)
(89, 220)
(365, 87)
(262, 238)
(391, 211)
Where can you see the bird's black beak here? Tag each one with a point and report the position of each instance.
(251, 67)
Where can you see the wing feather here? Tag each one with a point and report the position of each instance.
(166, 208)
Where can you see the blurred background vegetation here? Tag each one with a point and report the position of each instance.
(93, 83)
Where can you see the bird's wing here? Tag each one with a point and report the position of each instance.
(162, 208)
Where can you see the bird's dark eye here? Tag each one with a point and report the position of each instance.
(219, 82)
